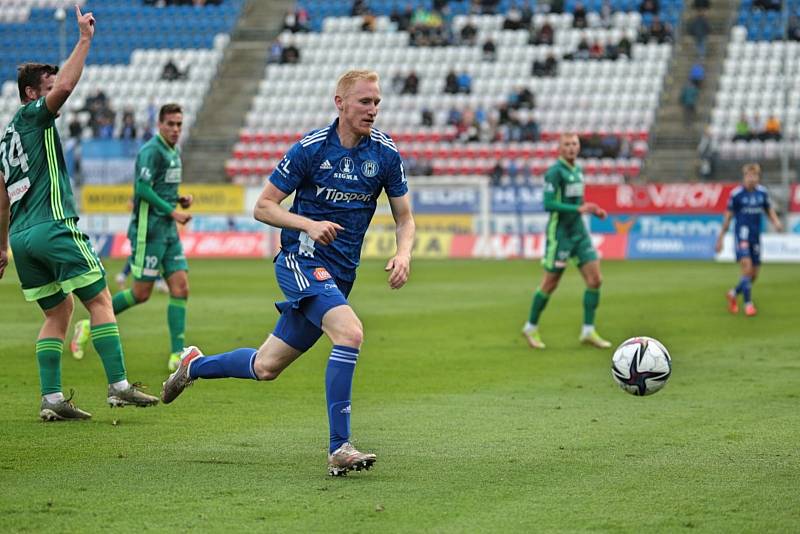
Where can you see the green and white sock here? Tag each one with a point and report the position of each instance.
(48, 354)
(105, 338)
(176, 319)
(122, 301)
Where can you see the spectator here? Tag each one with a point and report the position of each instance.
(525, 99)
(453, 117)
(496, 174)
(556, 7)
(370, 23)
(451, 83)
(707, 153)
(772, 129)
(488, 7)
(582, 51)
(469, 33)
(688, 100)
(579, 16)
(660, 31)
(275, 52)
(128, 130)
(170, 72)
(697, 74)
(742, 131)
(767, 5)
(464, 81)
(290, 55)
(649, 6)
(793, 29)
(543, 36)
(303, 21)
(606, 12)
(411, 84)
(624, 47)
(489, 51)
(547, 68)
(702, 4)
(426, 117)
(75, 127)
(530, 131)
(403, 19)
(596, 51)
(526, 14)
(699, 28)
(359, 8)
(513, 20)
(398, 81)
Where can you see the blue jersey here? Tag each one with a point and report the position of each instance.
(341, 185)
(747, 208)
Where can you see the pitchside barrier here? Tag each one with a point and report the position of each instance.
(465, 218)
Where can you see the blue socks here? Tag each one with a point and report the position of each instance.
(338, 386)
(744, 287)
(235, 364)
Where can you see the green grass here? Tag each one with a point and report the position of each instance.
(473, 431)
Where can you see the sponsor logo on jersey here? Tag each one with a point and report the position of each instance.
(322, 274)
(326, 165)
(334, 195)
(574, 189)
(331, 286)
(369, 168)
(346, 166)
(173, 176)
(18, 190)
(283, 167)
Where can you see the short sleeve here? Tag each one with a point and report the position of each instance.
(147, 165)
(396, 181)
(291, 170)
(36, 113)
(732, 203)
(551, 180)
(767, 204)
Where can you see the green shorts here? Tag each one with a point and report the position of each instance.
(54, 258)
(563, 246)
(155, 258)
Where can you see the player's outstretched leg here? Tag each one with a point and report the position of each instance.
(238, 363)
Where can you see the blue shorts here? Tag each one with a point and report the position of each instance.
(310, 291)
(746, 248)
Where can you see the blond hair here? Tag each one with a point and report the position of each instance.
(348, 80)
(751, 167)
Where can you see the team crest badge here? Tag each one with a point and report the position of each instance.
(346, 165)
(321, 274)
(369, 168)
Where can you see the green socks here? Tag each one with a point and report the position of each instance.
(540, 299)
(48, 353)
(176, 319)
(122, 301)
(105, 338)
(591, 298)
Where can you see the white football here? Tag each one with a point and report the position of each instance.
(641, 365)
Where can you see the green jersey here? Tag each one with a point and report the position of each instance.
(158, 166)
(563, 195)
(32, 163)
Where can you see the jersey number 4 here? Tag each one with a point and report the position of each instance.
(12, 155)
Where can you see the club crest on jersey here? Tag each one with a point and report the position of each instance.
(321, 274)
(346, 166)
(369, 168)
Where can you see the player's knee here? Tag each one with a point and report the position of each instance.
(264, 371)
(595, 282)
(141, 294)
(350, 336)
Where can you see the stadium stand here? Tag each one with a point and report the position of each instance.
(757, 104)
(603, 99)
(127, 59)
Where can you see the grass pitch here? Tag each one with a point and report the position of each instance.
(474, 432)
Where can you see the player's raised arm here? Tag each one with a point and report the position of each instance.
(399, 266)
(71, 72)
(269, 211)
(5, 208)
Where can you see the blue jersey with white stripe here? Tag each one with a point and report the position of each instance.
(747, 208)
(341, 185)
